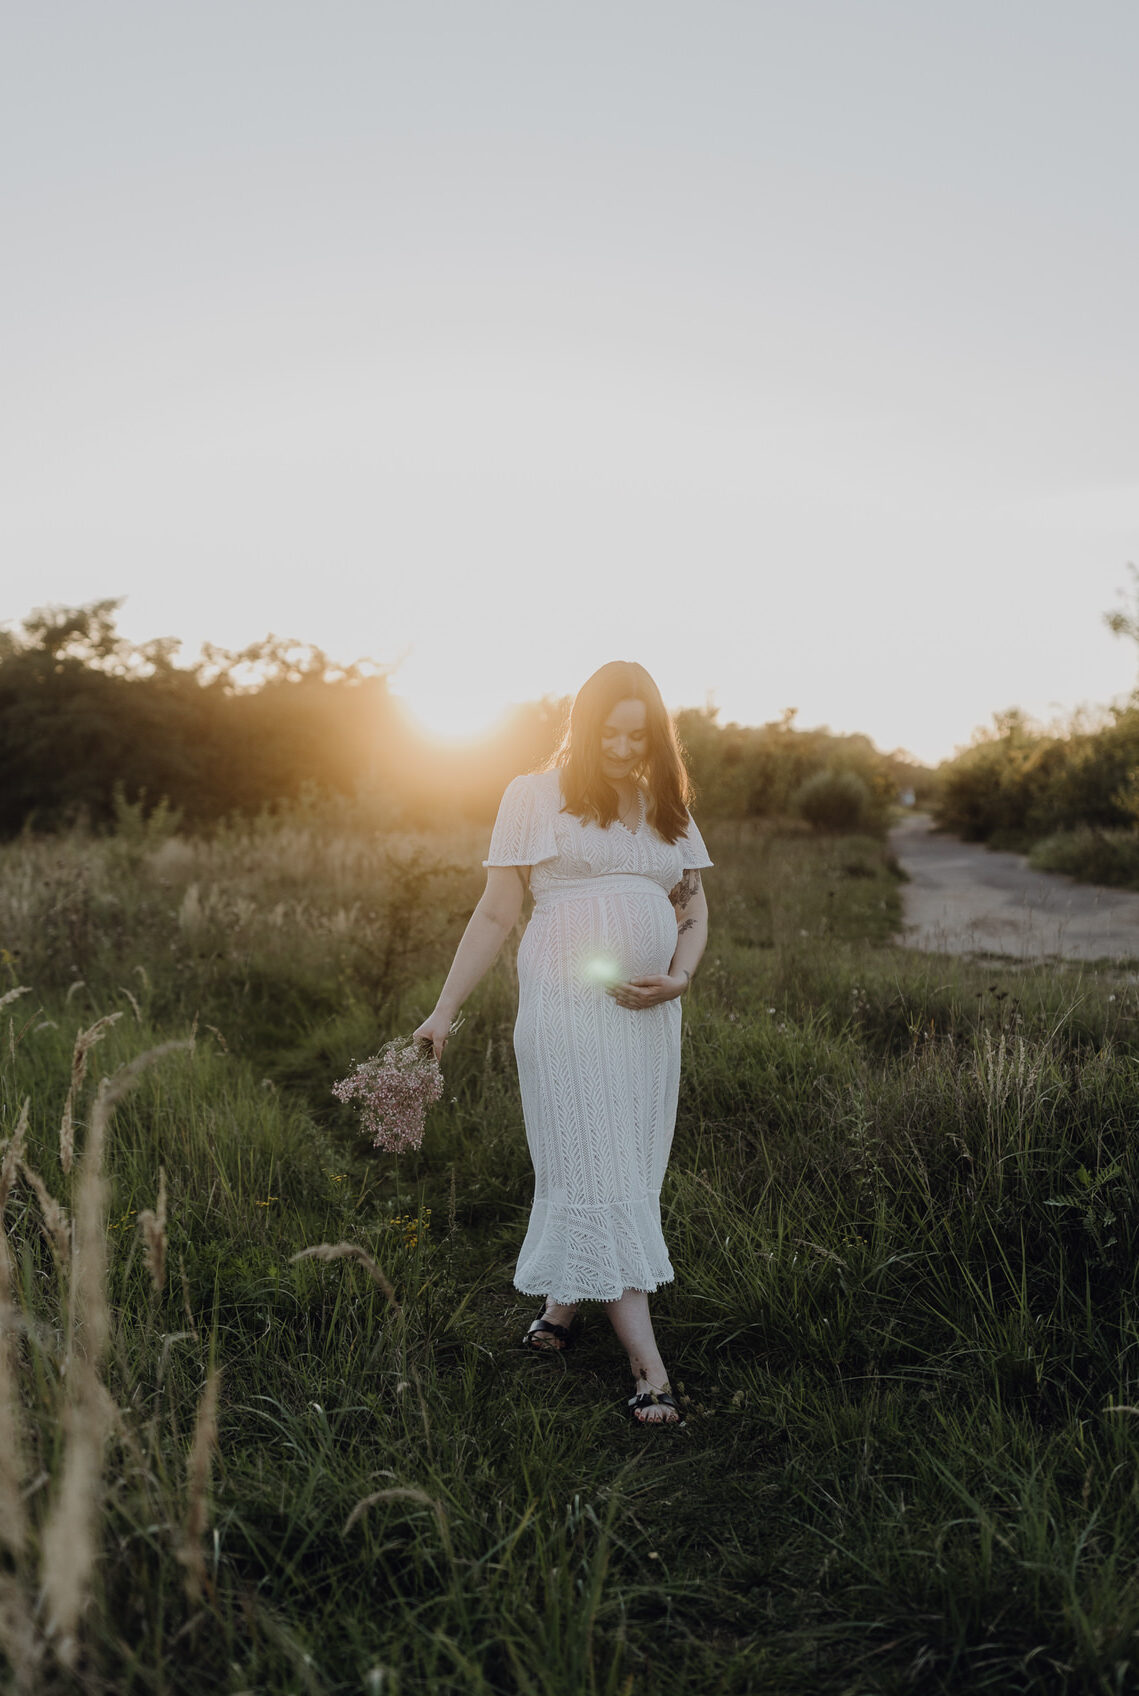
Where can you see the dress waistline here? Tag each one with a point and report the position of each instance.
(608, 883)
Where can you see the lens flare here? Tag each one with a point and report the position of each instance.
(603, 969)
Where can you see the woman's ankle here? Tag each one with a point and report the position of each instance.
(649, 1374)
(560, 1312)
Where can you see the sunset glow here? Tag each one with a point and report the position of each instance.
(706, 337)
(449, 716)
(451, 703)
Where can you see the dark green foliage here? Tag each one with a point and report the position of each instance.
(1017, 785)
(95, 731)
(82, 715)
(1094, 856)
(741, 771)
(837, 800)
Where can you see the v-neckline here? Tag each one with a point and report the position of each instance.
(640, 816)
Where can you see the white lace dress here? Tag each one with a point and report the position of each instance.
(599, 1082)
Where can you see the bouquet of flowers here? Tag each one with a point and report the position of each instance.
(393, 1091)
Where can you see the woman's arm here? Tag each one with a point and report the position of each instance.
(487, 929)
(691, 937)
(691, 924)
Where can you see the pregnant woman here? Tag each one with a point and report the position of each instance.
(606, 845)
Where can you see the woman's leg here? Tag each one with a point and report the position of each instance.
(557, 1314)
(630, 1319)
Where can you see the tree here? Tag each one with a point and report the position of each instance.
(1125, 620)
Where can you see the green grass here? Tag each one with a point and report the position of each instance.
(904, 1210)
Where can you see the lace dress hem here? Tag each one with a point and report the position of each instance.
(573, 1253)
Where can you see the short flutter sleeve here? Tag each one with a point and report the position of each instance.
(691, 845)
(523, 832)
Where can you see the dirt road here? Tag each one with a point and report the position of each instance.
(965, 899)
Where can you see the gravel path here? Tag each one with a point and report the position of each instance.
(966, 899)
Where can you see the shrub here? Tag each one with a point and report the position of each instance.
(1093, 856)
(1017, 783)
(835, 800)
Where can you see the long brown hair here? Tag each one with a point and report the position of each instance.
(588, 793)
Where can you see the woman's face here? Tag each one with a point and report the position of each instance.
(624, 739)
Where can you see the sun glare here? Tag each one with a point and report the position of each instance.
(451, 715)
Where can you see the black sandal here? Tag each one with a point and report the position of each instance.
(655, 1398)
(543, 1327)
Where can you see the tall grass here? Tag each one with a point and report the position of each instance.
(264, 1424)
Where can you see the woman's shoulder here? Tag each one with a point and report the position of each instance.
(543, 787)
(693, 848)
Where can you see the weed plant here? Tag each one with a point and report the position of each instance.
(902, 1206)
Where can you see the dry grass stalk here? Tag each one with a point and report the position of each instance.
(84, 1043)
(13, 1153)
(198, 1486)
(19, 1640)
(88, 1313)
(191, 1325)
(68, 1546)
(54, 1222)
(123, 990)
(153, 1228)
(120, 1083)
(14, 994)
(352, 1251)
(13, 1521)
(398, 1493)
(69, 1542)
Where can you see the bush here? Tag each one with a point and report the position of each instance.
(835, 800)
(1017, 784)
(755, 771)
(1093, 856)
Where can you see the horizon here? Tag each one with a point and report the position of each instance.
(450, 739)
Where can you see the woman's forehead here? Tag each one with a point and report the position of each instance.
(627, 716)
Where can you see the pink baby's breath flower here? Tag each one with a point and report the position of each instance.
(393, 1091)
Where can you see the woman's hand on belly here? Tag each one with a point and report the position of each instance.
(648, 992)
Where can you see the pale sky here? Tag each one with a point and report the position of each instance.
(790, 349)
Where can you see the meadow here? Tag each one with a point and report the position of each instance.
(903, 1210)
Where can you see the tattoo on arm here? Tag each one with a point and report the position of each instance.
(681, 893)
(689, 924)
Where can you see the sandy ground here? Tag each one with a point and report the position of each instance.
(965, 899)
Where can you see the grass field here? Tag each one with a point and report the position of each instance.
(904, 1214)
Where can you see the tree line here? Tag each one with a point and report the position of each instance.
(90, 721)
(1069, 793)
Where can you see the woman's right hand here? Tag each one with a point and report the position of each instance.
(435, 1029)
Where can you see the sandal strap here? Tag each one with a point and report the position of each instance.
(559, 1331)
(654, 1398)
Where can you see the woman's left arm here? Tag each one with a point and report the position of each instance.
(691, 907)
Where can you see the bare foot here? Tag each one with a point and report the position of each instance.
(546, 1342)
(655, 1412)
